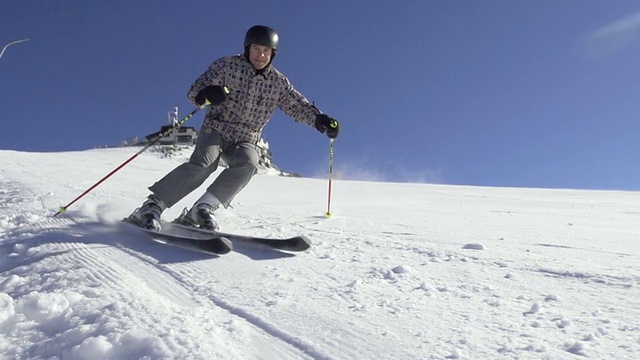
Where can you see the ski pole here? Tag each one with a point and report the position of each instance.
(155, 140)
(330, 177)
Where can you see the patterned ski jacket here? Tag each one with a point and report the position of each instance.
(252, 100)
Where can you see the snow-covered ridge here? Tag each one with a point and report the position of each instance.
(401, 271)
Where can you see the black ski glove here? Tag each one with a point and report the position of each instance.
(327, 125)
(215, 95)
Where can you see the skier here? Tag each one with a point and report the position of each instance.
(243, 92)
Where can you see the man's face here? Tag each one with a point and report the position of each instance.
(260, 56)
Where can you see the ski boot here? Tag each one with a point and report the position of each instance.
(148, 215)
(200, 216)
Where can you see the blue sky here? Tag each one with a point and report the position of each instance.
(499, 93)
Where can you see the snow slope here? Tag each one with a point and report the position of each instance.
(401, 271)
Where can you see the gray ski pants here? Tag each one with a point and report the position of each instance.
(241, 158)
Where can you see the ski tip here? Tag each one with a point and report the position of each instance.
(227, 248)
(306, 243)
(300, 243)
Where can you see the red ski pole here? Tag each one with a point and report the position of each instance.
(330, 177)
(155, 140)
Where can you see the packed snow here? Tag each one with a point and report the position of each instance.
(400, 271)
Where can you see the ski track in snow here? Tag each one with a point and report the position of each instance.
(186, 277)
(106, 266)
(457, 280)
(161, 278)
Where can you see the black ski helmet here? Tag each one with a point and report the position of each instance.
(261, 35)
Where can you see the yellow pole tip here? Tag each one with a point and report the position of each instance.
(328, 214)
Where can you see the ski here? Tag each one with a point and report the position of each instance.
(295, 243)
(174, 235)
